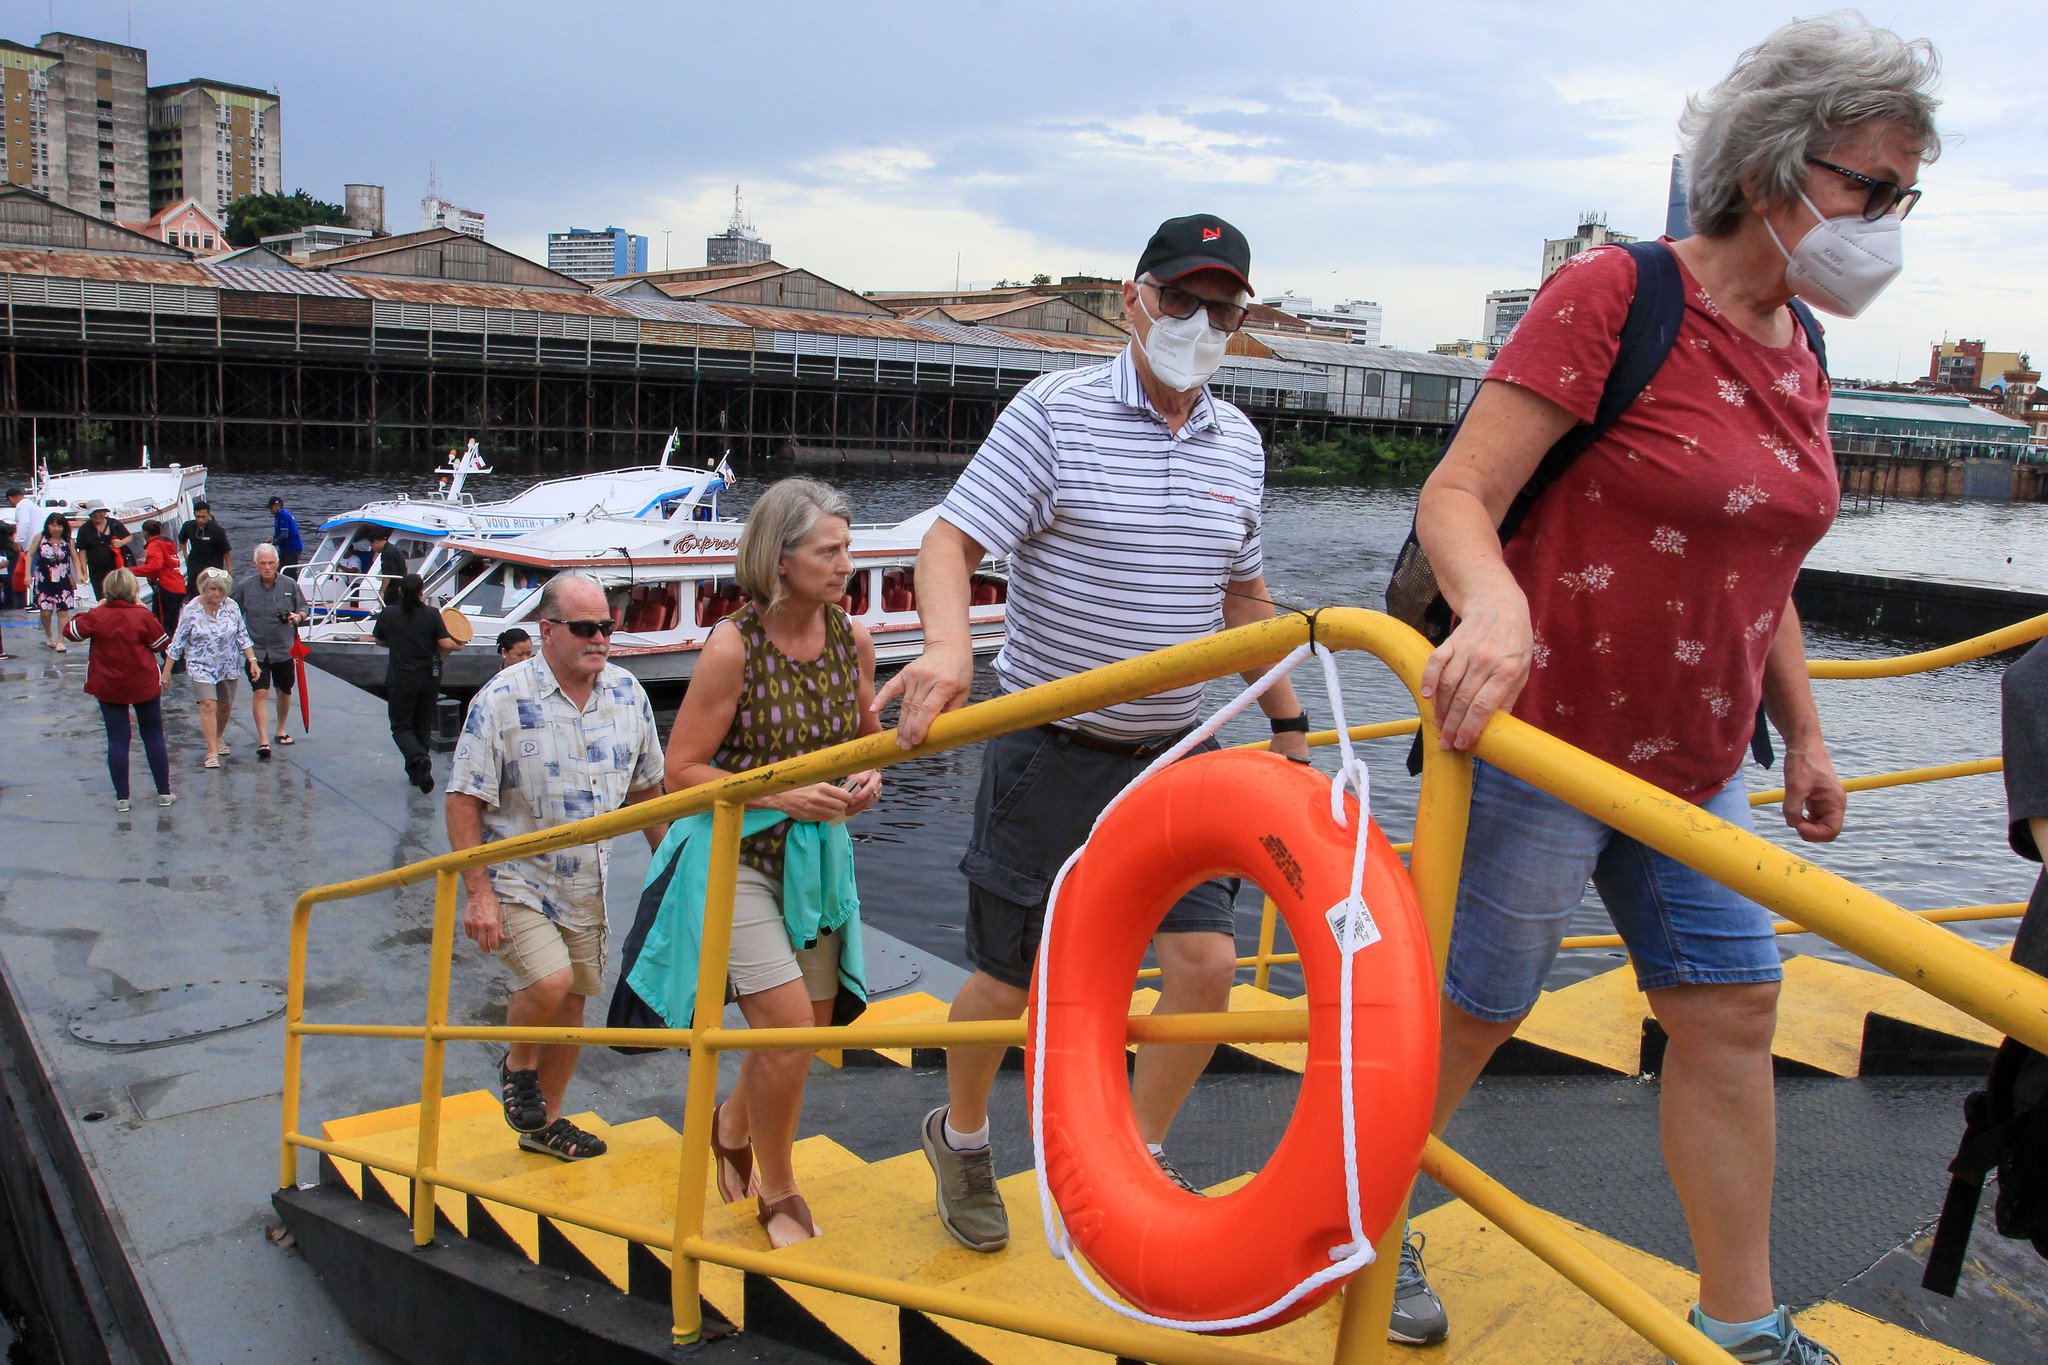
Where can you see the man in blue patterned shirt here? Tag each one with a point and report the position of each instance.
(561, 737)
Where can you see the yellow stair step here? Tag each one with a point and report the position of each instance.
(354, 1127)
(1598, 1022)
(1286, 1056)
(1506, 1307)
(912, 1006)
(1821, 1012)
(652, 1201)
(1028, 1275)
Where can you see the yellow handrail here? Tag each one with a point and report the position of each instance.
(1989, 988)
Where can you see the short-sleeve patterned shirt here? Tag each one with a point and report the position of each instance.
(789, 707)
(535, 762)
(1658, 567)
(211, 642)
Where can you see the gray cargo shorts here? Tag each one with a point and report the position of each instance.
(1040, 792)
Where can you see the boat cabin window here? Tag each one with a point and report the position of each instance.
(855, 601)
(500, 591)
(987, 590)
(899, 591)
(651, 607)
(717, 598)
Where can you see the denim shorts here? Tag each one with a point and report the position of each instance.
(1039, 797)
(1528, 856)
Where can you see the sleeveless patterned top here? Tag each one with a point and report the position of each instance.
(788, 708)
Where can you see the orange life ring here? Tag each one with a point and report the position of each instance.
(1253, 815)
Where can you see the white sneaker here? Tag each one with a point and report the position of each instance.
(120, 805)
(165, 798)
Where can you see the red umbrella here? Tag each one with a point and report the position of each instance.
(300, 651)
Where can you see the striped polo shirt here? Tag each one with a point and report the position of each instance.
(1121, 533)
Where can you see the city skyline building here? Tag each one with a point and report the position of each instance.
(436, 212)
(1592, 231)
(595, 255)
(739, 244)
(1362, 319)
(1504, 309)
(213, 142)
(1677, 223)
(83, 136)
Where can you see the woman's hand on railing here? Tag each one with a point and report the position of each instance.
(821, 801)
(1482, 667)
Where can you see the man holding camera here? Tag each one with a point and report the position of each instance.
(274, 607)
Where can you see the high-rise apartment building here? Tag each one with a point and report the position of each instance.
(739, 244)
(1593, 231)
(595, 255)
(1504, 309)
(213, 142)
(76, 123)
(1677, 219)
(438, 212)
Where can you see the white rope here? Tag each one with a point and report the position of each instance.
(1352, 924)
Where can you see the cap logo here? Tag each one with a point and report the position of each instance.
(1211, 234)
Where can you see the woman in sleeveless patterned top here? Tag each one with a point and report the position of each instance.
(787, 674)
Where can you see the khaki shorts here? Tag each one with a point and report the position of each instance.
(536, 947)
(762, 955)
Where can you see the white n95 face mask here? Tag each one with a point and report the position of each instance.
(1843, 264)
(1184, 352)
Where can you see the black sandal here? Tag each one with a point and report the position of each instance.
(565, 1140)
(526, 1110)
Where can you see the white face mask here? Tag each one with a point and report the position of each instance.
(1183, 352)
(1843, 264)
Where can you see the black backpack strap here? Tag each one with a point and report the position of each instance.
(1649, 332)
(1815, 341)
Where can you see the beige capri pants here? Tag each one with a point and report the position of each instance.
(762, 955)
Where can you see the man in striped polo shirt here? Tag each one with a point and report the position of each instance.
(1127, 498)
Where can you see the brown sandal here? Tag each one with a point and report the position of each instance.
(739, 1160)
(791, 1207)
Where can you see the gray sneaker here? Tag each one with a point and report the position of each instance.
(1172, 1172)
(969, 1206)
(1418, 1317)
(1780, 1344)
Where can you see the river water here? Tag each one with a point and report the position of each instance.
(1933, 845)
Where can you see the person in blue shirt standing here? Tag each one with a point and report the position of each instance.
(284, 534)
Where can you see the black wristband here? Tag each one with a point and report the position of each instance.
(1289, 725)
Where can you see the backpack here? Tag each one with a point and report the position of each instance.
(1647, 336)
(2005, 1129)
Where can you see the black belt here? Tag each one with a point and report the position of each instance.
(1122, 748)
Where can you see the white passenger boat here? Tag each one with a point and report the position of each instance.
(132, 496)
(332, 573)
(669, 580)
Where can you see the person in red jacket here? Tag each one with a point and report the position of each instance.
(165, 572)
(121, 672)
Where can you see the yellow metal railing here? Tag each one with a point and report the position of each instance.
(1987, 987)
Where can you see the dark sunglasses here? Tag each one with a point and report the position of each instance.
(1886, 197)
(584, 630)
(1177, 302)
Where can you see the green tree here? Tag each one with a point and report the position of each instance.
(256, 216)
(1041, 278)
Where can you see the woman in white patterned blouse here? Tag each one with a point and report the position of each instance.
(208, 638)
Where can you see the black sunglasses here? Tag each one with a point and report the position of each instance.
(584, 630)
(1886, 197)
(1177, 302)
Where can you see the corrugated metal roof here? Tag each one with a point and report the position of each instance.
(827, 324)
(259, 280)
(961, 335)
(975, 312)
(681, 289)
(397, 289)
(1370, 357)
(671, 310)
(79, 265)
(1063, 341)
(1903, 408)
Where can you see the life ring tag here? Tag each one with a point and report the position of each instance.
(1233, 813)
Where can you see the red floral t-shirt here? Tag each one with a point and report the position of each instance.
(1658, 566)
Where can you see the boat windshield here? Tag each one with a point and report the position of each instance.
(501, 592)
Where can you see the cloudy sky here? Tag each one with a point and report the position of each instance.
(1412, 154)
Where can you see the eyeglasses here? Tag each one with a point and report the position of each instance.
(1176, 302)
(584, 630)
(1886, 197)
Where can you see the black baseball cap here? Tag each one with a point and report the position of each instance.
(1200, 241)
(276, 501)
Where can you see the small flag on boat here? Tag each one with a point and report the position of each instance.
(724, 470)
